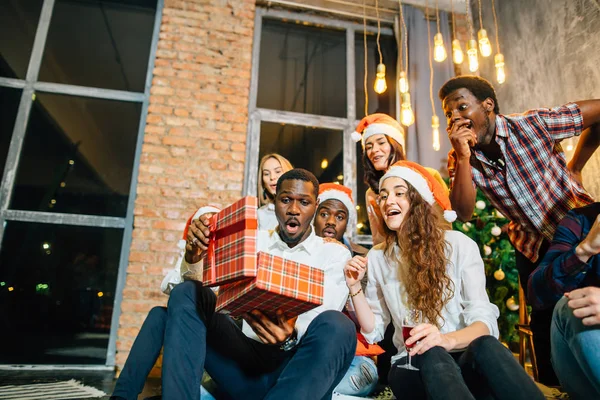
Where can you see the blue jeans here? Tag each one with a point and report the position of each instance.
(143, 356)
(485, 370)
(360, 379)
(197, 337)
(575, 353)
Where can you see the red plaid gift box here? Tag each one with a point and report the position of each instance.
(279, 283)
(231, 255)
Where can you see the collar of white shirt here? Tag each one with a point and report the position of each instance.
(307, 245)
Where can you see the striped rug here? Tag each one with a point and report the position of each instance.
(50, 391)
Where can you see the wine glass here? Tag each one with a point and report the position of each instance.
(411, 319)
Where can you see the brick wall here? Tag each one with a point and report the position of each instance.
(195, 132)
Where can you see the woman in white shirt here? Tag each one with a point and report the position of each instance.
(422, 266)
(271, 167)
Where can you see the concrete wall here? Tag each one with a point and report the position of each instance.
(552, 54)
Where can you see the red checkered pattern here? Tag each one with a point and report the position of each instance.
(535, 190)
(291, 286)
(233, 242)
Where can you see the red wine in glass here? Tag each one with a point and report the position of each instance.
(410, 319)
(406, 334)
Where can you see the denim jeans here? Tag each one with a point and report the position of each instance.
(197, 337)
(485, 370)
(360, 379)
(541, 320)
(575, 353)
(143, 356)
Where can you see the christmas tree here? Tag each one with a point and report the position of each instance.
(488, 229)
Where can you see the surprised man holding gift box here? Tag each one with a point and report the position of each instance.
(298, 358)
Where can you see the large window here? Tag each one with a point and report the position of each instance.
(307, 94)
(74, 91)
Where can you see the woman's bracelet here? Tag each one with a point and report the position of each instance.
(352, 295)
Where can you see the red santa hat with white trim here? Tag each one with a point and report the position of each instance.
(376, 124)
(335, 191)
(427, 186)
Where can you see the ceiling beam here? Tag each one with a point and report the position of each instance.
(355, 9)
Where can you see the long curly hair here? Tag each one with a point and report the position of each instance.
(422, 258)
(372, 176)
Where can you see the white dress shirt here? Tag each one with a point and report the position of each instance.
(314, 251)
(267, 220)
(470, 303)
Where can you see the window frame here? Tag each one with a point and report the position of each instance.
(256, 115)
(30, 86)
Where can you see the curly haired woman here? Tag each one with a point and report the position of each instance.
(422, 266)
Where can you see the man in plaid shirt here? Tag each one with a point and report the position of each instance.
(518, 163)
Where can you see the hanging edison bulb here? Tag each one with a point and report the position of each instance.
(500, 74)
(457, 53)
(439, 50)
(380, 85)
(485, 47)
(435, 124)
(407, 117)
(403, 82)
(472, 55)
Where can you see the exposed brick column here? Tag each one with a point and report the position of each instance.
(194, 143)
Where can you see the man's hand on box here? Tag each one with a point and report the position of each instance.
(197, 238)
(267, 330)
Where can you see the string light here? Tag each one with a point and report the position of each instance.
(457, 53)
(439, 50)
(407, 117)
(435, 121)
(499, 57)
(484, 42)
(365, 50)
(472, 44)
(380, 85)
(472, 55)
(403, 82)
(403, 86)
(435, 125)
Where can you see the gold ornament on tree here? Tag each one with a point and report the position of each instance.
(499, 275)
(512, 304)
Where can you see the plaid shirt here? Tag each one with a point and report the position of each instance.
(535, 189)
(561, 270)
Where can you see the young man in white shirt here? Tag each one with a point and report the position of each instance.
(294, 359)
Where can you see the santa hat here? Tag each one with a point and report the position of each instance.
(376, 124)
(427, 186)
(334, 191)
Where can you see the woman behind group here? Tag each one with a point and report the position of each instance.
(383, 144)
(421, 266)
(271, 167)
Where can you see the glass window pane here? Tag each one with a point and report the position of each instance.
(302, 69)
(385, 102)
(77, 156)
(9, 104)
(57, 285)
(102, 44)
(305, 147)
(18, 24)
